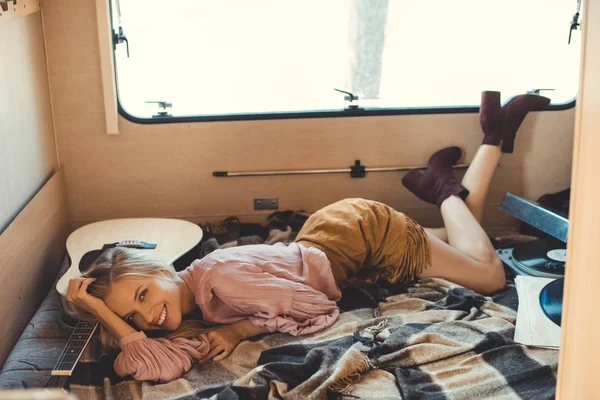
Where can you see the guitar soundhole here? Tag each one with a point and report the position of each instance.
(88, 259)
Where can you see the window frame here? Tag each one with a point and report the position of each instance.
(354, 111)
(347, 112)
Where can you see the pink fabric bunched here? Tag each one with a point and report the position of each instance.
(158, 359)
(289, 325)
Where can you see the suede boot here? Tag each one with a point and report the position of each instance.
(500, 124)
(437, 182)
(491, 118)
(515, 111)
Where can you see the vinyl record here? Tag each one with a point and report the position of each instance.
(541, 255)
(551, 300)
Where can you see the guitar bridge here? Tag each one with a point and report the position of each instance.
(132, 244)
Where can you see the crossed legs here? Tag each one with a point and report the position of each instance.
(477, 181)
(462, 252)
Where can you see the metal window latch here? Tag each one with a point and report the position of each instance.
(119, 38)
(162, 105)
(575, 20)
(536, 91)
(350, 97)
(574, 24)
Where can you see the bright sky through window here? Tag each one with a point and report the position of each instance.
(225, 57)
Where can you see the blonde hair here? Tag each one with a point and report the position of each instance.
(120, 262)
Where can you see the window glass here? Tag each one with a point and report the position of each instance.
(228, 57)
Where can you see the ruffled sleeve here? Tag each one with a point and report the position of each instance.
(275, 303)
(158, 359)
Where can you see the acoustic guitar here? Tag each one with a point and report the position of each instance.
(165, 239)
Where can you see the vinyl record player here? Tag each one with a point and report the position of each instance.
(542, 258)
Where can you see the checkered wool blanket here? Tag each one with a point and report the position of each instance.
(430, 340)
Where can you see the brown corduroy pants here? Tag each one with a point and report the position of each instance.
(367, 238)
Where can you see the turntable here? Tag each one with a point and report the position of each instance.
(542, 258)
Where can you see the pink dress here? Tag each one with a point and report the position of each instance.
(287, 289)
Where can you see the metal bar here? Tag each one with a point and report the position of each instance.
(227, 174)
(536, 216)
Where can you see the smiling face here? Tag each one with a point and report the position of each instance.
(147, 303)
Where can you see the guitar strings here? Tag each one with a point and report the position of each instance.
(62, 362)
(85, 330)
(64, 354)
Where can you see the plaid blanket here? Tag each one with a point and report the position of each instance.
(431, 339)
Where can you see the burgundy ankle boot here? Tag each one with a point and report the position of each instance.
(514, 112)
(437, 182)
(491, 118)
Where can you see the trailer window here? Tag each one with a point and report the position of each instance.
(228, 59)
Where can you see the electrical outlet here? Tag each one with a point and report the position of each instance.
(266, 204)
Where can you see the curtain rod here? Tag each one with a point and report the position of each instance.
(356, 171)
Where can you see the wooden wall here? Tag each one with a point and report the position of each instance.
(32, 248)
(27, 144)
(580, 348)
(33, 217)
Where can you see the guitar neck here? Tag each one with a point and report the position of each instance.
(74, 349)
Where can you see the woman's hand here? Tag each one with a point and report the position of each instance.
(78, 295)
(223, 340)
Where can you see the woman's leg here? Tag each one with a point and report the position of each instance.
(484, 275)
(499, 125)
(439, 233)
(477, 180)
(468, 258)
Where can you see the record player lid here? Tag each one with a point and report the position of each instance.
(536, 216)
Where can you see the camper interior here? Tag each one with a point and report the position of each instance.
(192, 129)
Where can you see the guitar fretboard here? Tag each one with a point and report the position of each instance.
(74, 349)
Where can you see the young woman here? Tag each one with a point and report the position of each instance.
(259, 288)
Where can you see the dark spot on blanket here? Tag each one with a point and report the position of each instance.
(398, 337)
(461, 299)
(230, 393)
(507, 297)
(492, 340)
(358, 293)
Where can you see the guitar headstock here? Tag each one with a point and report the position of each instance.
(172, 237)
